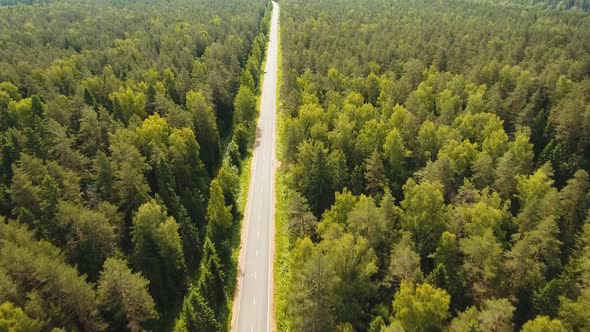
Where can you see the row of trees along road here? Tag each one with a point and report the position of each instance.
(435, 158)
(115, 116)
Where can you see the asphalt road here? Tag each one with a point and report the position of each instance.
(253, 303)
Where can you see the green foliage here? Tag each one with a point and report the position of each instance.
(123, 296)
(245, 106)
(545, 324)
(453, 141)
(494, 315)
(127, 103)
(302, 222)
(211, 278)
(375, 174)
(319, 183)
(424, 214)
(157, 252)
(196, 315)
(108, 143)
(309, 303)
(205, 127)
(14, 319)
(483, 268)
(219, 220)
(40, 279)
(404, 264)
(421, 308)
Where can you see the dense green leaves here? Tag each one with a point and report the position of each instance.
(123, 296)
(421, 308)
(454, 141)
(114, 118)
(35, 276)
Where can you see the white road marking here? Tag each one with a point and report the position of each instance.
(260, 161)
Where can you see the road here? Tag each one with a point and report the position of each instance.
(253, 307)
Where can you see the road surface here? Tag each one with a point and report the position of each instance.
(253, 302)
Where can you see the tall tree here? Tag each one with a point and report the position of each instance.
(311, 298)
(245, 106)
(206, 129)
(157, 252)
(404, 263)
(319, 187)
(424, 214)
(65, 299)
(302, 222)
(219, 221)
(544, 323)
(494, 315)
(368, 221)
(354, 263)
(421, 308)
(123, 296)
(211, 282)
(484, 265)
(375, 174)
(574, 198)
(196, 315)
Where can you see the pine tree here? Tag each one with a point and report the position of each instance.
(89, 98)
(421, 308)
(104, 177)
(50, 194)
(483, 265)
(574, 199)
(211, 281)
(157, 252)
(425, 214)
(245, 106)
(375, 174)
(404, 264)
(219, 221)
(13, 318)
(545, 324)
(196, 315)
(123, 296)
(319, 189)
(65, 299)
(36, 137)
(302, 222)
(150, 103)
(205, 129)
(396, 154)
(311, 297)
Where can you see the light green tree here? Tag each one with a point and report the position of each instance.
(421, 308)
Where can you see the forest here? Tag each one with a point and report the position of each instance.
(434, 166)
(124, 128)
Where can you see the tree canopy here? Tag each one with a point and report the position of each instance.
(118, 122)
(451, 139)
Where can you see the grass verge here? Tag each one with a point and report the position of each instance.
(241, 202)
(282, 245)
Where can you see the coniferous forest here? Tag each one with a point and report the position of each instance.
(433, 176)
(435, 159)
(123, 128)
